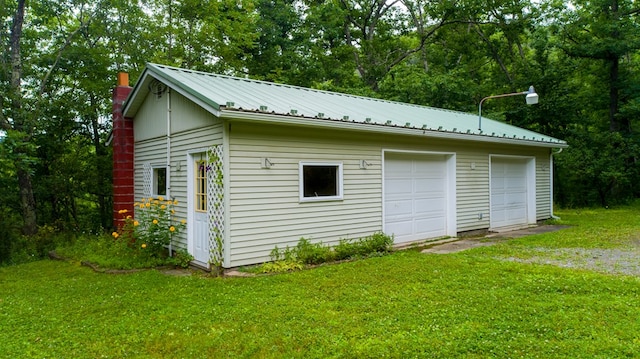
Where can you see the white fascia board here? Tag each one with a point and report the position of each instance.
(241, 116)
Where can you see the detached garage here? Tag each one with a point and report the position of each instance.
(255, 165)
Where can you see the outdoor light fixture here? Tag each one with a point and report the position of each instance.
(531, 97)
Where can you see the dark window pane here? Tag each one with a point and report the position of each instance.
(161, 181)
(320, 181)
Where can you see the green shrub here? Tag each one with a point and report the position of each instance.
(282, 261)
(307, 253)
(181, 258)
(363, 247)
(313, 253)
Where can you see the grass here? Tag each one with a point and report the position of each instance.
(107, 253)
(471, 304)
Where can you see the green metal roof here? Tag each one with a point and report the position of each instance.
(225, 94)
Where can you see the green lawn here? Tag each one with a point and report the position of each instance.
(474, 304)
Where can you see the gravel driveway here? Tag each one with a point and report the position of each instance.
(613, 261)
(621, 261)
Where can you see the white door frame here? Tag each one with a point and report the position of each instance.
(530, 162)
(192, 155)
(451, 215)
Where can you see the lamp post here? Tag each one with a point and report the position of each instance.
(531, 97)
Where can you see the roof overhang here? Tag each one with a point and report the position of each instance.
(143, 87)
(234, 115)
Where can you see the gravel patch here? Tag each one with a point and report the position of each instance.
(613, 261)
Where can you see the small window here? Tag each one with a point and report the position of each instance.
(320, 181)
(160, 181)
(201, 186)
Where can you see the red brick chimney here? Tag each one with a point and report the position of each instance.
(122, 142)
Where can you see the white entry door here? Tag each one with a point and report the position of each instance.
(199, 228)
(415, 196)
(510, 192)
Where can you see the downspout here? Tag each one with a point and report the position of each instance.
(168, 166)
(551, 181)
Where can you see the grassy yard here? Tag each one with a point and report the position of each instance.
(497, 301)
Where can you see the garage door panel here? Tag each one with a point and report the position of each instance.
(427, 225)
(399, 208)
(398, 168)
(518, 198)
(515, 213)
(432, 206)
(395, 186)
(515, 183)
(400, 229)
(429, 185)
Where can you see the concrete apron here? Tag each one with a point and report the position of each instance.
(453, 245)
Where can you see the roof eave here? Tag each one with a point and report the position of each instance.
(141, 88)
(238, 115)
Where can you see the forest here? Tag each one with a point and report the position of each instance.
(60, 59)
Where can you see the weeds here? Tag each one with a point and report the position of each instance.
(308, 253)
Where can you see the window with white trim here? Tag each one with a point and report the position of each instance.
(159, 181)
(320, 181)
(201, 186)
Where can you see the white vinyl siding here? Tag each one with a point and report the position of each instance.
(265, 205)
(151, 119)
(543, 186)
(192, 128)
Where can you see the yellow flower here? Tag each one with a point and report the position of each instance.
(129, 217)
(163, 207)
(169, 202)
(142, 205)
(175, 202)
(155, 221)
(144, 245)
(136, 223)
(172, 229)
(115, 234)
(160, 198)
(147, 204)
(155, 202)
(123, 211)
(136, 204)
(184, 221)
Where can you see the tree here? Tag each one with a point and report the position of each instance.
(204, 35)
(382, 34)
(14, 121)
(605, 31)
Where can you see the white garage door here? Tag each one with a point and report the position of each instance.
(509, 192)
(415, 196)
